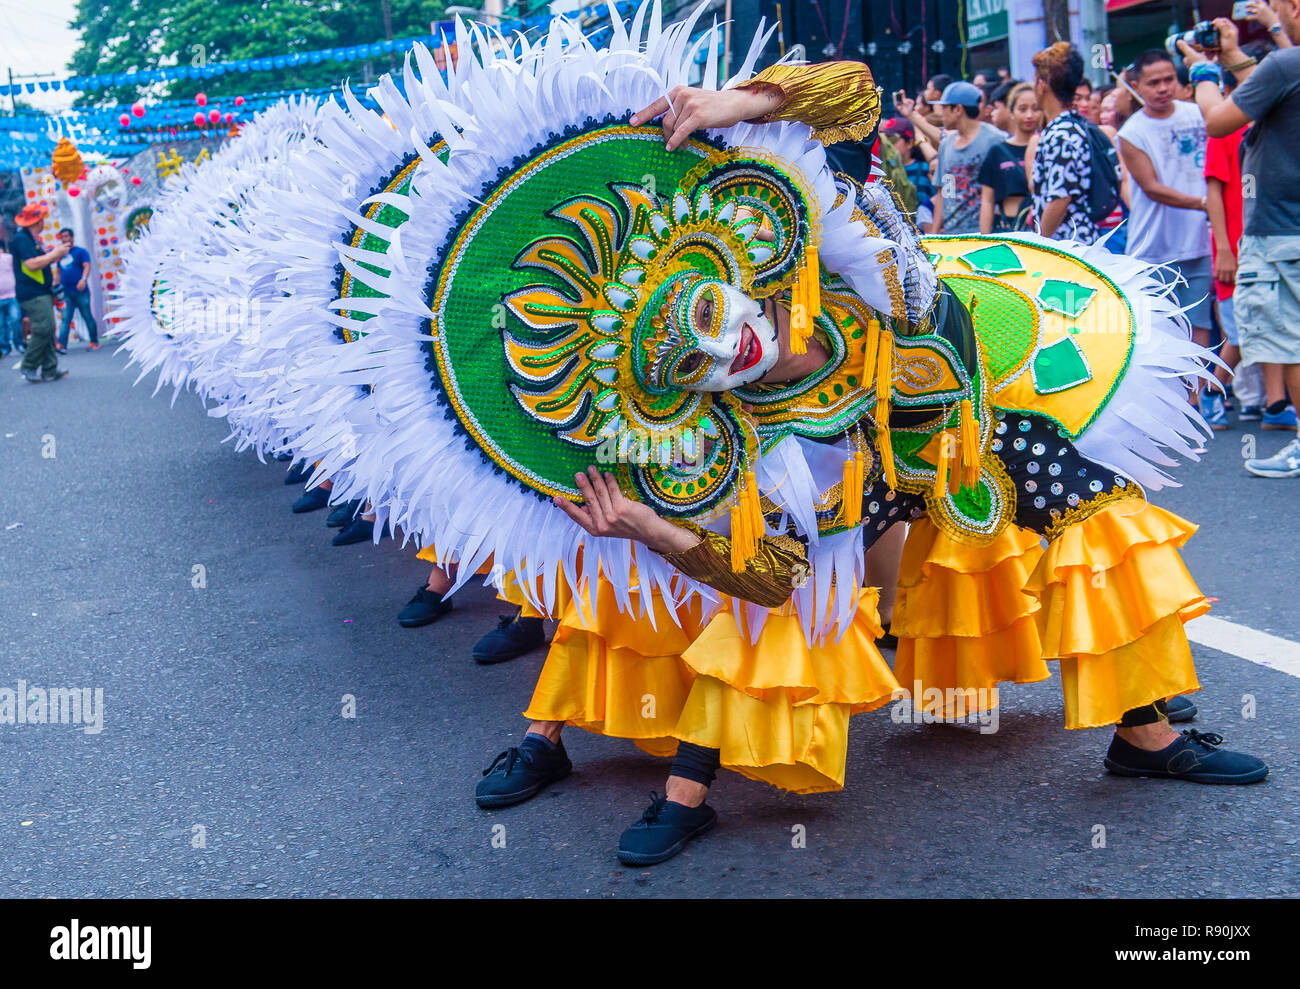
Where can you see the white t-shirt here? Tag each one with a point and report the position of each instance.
(1176, 147)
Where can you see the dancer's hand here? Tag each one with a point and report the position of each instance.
(686, 109)
(606, 511)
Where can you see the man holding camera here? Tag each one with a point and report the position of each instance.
(1267, 298)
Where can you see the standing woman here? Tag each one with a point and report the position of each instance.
(1005, 195)
(1112, 117)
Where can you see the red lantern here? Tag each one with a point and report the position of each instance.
(199, 119)
(73, 191)
(135, 180)
(230, 118)
(201, 99)
(137, 108)
(124, 120)
(239, 101)
(214, 115)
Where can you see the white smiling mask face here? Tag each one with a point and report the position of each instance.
(734, 343)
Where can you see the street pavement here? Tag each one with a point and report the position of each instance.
(223, 724)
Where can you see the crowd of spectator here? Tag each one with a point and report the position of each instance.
(1185, 161)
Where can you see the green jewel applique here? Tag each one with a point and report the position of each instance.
(997, 259)
(1068, 298)
(1059, 367)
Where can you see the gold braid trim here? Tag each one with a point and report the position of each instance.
(838, 100)
(1087, 509)
(768, 578)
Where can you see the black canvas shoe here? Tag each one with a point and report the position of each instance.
(1179, 708)
(299, 473)
(663, 831)
(512, 637)
(56, 376)
(359, 530)
(342, 514)
(424, 609)
(1195, 757)
(521, 772)
(311, 501)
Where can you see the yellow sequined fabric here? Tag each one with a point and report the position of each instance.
(838, 100)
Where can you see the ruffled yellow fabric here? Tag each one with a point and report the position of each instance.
(777, 710)
(1114, 594)
(963, 620)
(1109, 578)
(1099, 689)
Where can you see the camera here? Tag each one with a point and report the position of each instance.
(1204, 36)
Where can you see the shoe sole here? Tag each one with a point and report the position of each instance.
(637, 858)
(1164, 774)
(1181, 716)
(496, 800)
(420, 623)
(486, 659)
(1278, 473)
(1278, 425)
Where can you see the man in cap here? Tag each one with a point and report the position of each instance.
(34, 289)
(961, 155)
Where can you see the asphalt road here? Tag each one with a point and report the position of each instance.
(222, 711)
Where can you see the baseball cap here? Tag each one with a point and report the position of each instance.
(960, 94)
(898, 127)
(31, 214)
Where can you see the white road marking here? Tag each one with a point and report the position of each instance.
(1259, 647)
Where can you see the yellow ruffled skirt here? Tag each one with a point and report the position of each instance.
(1114, 595)
(963, 619)
(1107, 599)
(777, 710)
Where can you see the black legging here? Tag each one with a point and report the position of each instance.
(695, 762)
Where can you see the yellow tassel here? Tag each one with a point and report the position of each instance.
(870, 347)
(738, 551)
(940, 487)
(886, 450)
(970, 445)
(813, 272)
(754, 509)
(850, 506)
(799, 329)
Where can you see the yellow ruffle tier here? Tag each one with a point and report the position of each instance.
(963, 619)
(1114, 594)
(778, 710)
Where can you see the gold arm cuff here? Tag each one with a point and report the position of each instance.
(838, 100)
(768, 579)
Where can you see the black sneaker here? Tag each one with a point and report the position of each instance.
(59, 348)
(32, 379)
(1179, 708)
(1195, 757)
(521, 772)
(311, 501)
(56, 376)
(663, 831)
(299, 473)
(342, 514)
(359, 530)
(512, 637)
(424, 609)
